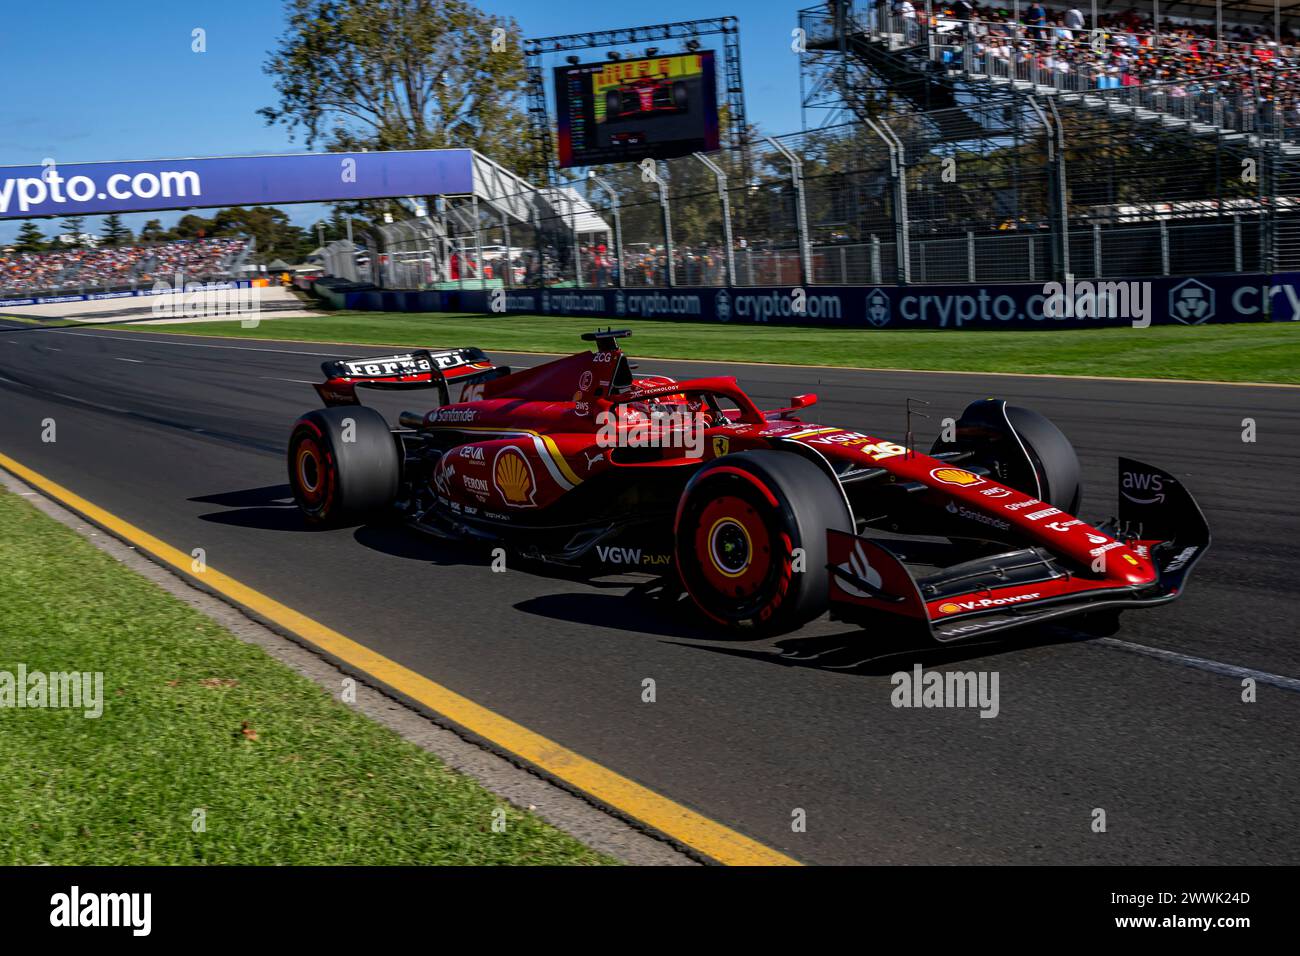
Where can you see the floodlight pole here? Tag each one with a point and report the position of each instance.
(618, 219)
(800, 210)
(726, 215)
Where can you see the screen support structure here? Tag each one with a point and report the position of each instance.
(544, 169)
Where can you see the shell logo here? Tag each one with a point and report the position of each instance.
(949, 608)
(513, 477)
(955, 476)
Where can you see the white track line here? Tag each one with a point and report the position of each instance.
(1201, 663)
(138, 339)
(118, 358)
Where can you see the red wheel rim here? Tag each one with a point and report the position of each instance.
(734, 547)
(308, 468)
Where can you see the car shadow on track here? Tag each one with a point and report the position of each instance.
(269, 508)
(656, 607)
(858, 652)
(660, 609)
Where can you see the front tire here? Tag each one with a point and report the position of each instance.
(343, 464)
(750, 539)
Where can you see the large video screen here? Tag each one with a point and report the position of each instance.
(627, 110)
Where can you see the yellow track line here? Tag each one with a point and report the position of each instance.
(676, 821)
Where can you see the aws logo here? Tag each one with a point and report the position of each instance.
(1142, 488)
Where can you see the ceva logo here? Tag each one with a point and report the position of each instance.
(878, 308)
(1191, 302)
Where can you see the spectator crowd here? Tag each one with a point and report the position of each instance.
(106, 268)
(1121, 49)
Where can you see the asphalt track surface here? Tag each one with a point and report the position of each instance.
(184, 437)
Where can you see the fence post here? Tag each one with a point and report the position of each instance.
(1059, 212)
(800, 211)
(1164, 247)
(1096, 250)
(508, 279)
(618, 220)
(970, 256)
(875, 260)
(844, 266)
(669, 269)
(902, 244)
(478, 243)
(539, 249)
(1032, 258)
(725, 202)
(1236, 243)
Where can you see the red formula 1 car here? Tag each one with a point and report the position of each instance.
(765, 520)
(646, 97)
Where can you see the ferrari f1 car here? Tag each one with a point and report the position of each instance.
(646, 96)
(765, 520)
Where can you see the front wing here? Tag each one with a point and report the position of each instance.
(872, 578)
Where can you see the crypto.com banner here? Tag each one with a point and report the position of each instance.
(90, 189)
(1079, 304)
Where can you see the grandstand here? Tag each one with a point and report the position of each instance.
(105, 269)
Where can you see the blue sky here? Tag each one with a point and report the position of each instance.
(90, 81)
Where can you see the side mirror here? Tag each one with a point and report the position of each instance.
(803, 401)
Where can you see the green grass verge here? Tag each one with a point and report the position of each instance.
(320, 784)
(1257, 352)
(52, 323)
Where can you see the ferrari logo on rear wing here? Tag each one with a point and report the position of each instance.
(416, 369)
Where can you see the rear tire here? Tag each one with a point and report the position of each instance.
(739, 521)
(343, 464)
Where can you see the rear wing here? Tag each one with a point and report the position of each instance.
(418, 369)
(1158, 518)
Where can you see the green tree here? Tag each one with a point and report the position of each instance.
(276, 236)
(191, 226)
(116, 234)
(401, 74)
(29, 238)
(75, 228)
(152, 231)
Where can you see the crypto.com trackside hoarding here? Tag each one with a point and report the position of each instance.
(90, 189)
(1118, 302)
